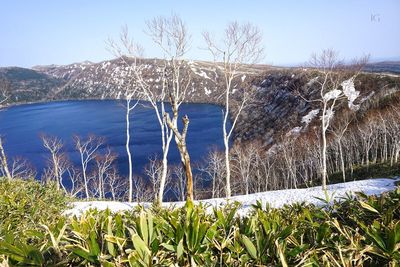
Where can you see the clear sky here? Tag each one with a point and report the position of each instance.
(38, 32)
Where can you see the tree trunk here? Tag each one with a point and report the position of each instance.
(85, 178)
(163, 179)
(4, 161)
(189, 177)
(164, 172)
(56, 174)
(342, 162)
(324, 174)
(185, 160)
(397, 154)
(180, 140)
(228, 168)
(129, 152)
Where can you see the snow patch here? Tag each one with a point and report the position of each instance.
(332, 94)
(328, 115)
(104, 65)
(196, 71)
(310, 116)
(276, 198)
(312, 81)
(206, 91)
(350, 92)
(295, 131)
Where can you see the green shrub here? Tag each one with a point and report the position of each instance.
(358, 231)
(25, 205)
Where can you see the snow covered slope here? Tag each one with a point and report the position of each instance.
(275, 198)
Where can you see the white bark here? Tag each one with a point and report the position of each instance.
(4, 163)
(129, 108)
(145, 91)
(241, 44)
(87, 149)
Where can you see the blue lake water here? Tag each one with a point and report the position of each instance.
(21, 127)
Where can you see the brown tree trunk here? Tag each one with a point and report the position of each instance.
(189, 176)
(180, 139)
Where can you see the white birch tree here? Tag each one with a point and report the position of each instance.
(4, 96)
(125, 51)
(241, 44)
(171, 36)
(128, 49)
(87, 149)
(335, 82)
(54, 146)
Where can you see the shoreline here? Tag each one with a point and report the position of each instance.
(15, 104)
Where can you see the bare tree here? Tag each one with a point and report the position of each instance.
(54, 146)
(129, 87)
(103, 166)
(18, 168)
(214, 168)
(153, 171)
(179, 188)
(171, 35)
(130, 105)
(60, 169)
(75, 180)
(4, 96)
(333, 87)
(4, 161)
(5, 91)
(143, 192)
(241, 44)
(147, 92)
(87, 149)
(265, 163)
(338, 130)
(244, 162)
(116, 185)
(21, 168)
(393, 132)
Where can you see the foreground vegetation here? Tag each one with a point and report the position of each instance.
(25, 206)
(358, 231)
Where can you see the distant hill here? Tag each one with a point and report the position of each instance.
(28, 85)
(106, 79)
(384, 66)
(276, 109)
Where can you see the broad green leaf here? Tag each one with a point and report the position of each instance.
(251, 249)
(140, 246)
(179, 249)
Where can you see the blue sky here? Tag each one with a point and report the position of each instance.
(39, 32)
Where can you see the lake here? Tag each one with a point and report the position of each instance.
(21, 127)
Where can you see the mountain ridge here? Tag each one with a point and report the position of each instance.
(274, 110)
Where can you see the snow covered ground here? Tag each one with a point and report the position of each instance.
(276, 198)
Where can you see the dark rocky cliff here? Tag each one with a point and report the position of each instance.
(277, 108)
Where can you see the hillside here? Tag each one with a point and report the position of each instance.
(384, 66)
(107, 79)
(275, 109)
(27, 85)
